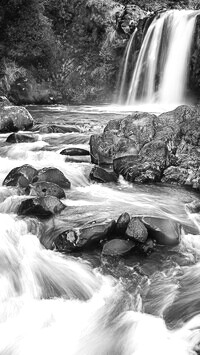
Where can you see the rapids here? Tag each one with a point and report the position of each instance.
(87, 304)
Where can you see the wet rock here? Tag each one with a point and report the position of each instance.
(193, 207)
(52, 175)
(75, 152)
(164, 230)
(101, 175)
(94, 233)
(42, 207)
(21, 138)
(15, 118)
(58, 129)
(117, 247)
(45, 188)
(21, 175)
(66, 241)
(122, 223)
(4, 102)
(147, 248)
(136, 230)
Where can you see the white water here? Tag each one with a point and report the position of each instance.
(161, 70)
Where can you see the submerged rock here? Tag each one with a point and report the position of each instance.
(58, 129)
(94, 233)
(52, 175)
(14, 118)
(45, 188)
(20, 138)
(66, 241)
(164, 230)
(75, 152)
(101, 175)
(117, 247)
(21, 175)
(136, 230)
(42, 207)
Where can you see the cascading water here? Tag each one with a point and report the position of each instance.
(161, 70)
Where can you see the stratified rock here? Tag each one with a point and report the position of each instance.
(117, 247)
(164, 230)
(45, 188)
(94, 233)
(66, 241)
(53, 175)
(21, 175)
(14, 118)
(122, 223)
(136, 230)
(42, 207)
(101, 175)
(75, 152)
(21, 138)
(58, 129)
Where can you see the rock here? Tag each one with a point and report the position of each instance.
(122, 223)
(22, 176)
(117, 247)
(148, 247)
(164, 230)
(75, 152)
(45, 188)
(136, 230)
(66, 241)
(52, 175)
(58, 129)
(193, 207)
(42, 207)
(4, 102)
(101, 175)
(94, 233)
(20, 138)
(14, 118)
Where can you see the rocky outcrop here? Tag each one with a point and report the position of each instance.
(145, 148)
(13, 119)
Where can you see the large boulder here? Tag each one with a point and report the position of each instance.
(14, 118)
(94, 233)
(20, 176)
(136, 230)
(52, 175)
(101, 175)
(164, 230)
(45, 188)
(42, 207)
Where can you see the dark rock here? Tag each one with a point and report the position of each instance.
(75, 152)
(42, 207)
(22, 176)
(101, 175)
(147, 248)
(94, 233)
(164, 230)
(117, 247)
(45, 188)
(20, 138)
(14, 118)
(122, 223)
(66, 241)
(52, 175)
(58, 129)
(136, 230)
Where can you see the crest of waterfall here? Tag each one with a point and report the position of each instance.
(161, 70)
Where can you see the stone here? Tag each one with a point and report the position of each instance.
(117, 247)
(94, 233)
(193, 207)
(136, 230)
(14, 118)
(66, 241)
(122, 223)
(42, 207)
(101, 175)
(4, 102)
(147, 248)
(75, 152)
(21, 138)
(164, 230)
(21, 175)
(52, 175)
(58, 129)
(45, 188)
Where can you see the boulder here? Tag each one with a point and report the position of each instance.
(47, 128)
(42, 207)
(21, 138)
(101, 175)
(136, 230)
(14, 118)
(45, 188)
(66, 241)
(75, 152)
(122, 223)
(20, 176)
(164, 230)
(117, 247)
(94, 233)
(52, 175)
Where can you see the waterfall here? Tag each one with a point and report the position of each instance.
(161, 71)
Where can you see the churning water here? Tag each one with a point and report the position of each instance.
(89, 305)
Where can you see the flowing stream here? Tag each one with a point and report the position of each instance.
(89, 304)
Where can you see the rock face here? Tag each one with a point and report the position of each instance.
(13, 119)
(145, 148)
